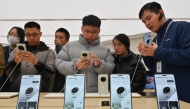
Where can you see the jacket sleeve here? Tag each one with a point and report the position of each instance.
(49, 66)
(180, 56)
(63, 65)
(10, 66)
(106, 66)
(139, 81)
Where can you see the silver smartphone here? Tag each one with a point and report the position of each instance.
(166, 91)
(29, 92)
(84, 55)
(21, 46)
(147, 38)
(74, 92)
(120, 93)
(103, 84)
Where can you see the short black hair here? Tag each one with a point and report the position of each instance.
(63, 30)
(91, 20)
(124, 39)
(32, 25)
(151, 6)
(20, 33)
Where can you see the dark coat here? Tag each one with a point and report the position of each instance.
(127, 65)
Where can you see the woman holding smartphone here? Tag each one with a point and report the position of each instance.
(14, 36)
(128, 63)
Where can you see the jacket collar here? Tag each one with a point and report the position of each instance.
(162, 29)
(123, 59)
(83, 41)
(41, 47)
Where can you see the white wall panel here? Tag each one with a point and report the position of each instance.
(73, 9)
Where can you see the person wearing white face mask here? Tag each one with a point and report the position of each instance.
(15, 35)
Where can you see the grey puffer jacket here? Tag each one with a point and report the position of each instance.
(44, 54)
(70, 54)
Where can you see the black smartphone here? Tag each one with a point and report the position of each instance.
(29, 92)
(74, 92)
(120, 93)
(166, 91)
(147, 38)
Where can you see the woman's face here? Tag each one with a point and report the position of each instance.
(14, 33)
(119, 48)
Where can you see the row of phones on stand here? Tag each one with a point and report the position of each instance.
(120, 91)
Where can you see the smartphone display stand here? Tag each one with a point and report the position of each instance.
(103, 84)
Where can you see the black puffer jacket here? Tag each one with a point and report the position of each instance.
(127, 65)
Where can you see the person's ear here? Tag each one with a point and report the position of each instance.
(160, 17)
(161, 12)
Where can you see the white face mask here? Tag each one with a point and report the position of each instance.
(13, 40)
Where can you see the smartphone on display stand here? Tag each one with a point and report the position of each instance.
(166, 91)
(120, 93)
(74, 92)
(103, 84)
(29, 92)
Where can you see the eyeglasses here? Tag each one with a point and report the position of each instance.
(89, 32)
(33, 35)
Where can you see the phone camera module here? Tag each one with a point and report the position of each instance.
(29, 91)
(103, 79)
(148, 41)
(166, 90)
(74, 90)
(120, 90)
(84, 54)
(20, 47)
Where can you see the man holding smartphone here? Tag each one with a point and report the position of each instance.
(101, 61)
(37, 58)
(170, 50)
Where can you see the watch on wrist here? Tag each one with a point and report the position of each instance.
(38, 63)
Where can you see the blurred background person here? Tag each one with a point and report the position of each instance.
(126, 62)
(61, 38)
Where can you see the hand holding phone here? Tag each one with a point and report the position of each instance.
(147, 38)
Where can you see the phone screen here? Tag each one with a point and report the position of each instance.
(120, 91)
(166, 91)
(74, 92)
(29, 92)
(147, 38)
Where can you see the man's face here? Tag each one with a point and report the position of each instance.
(33, 36)
(60, 37)
(90, 33)
(150, 19)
